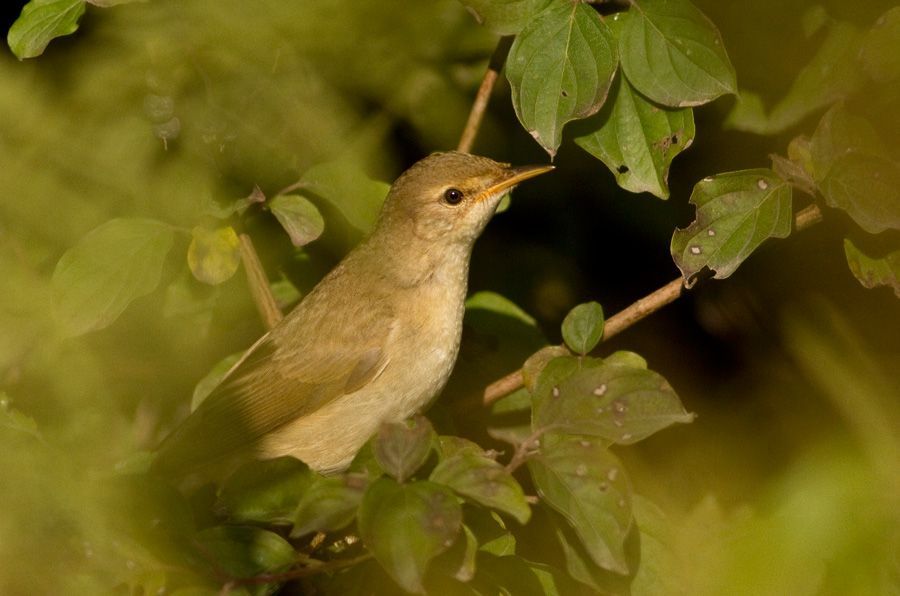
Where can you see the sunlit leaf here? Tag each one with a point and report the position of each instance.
(206, 385)
(583, 327)
(243, 551)
(586, 483)
(673, 54)
(560, 68)
(637, 139)
(407, 525)
(299, 218)
(357, 197)
(499, 304)
(265, 491)
(214, 255)
(736, 212)
(874, 272)
(328, 504)
(474, 475)
(506, 17)
(880, 52)
(615, 401)
(112, 265)
(402, 447)
(42, 21)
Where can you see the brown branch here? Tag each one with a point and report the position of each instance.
(644, 307)
(495, 65)
(259, 284)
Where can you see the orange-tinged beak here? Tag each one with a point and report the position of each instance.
(514, 176)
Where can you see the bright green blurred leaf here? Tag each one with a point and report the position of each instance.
(506, 17)
(42, 21)
(673, 54)
(328, 504)
(206, 385)
(407, 525)
(586, 483)
(874, 272)
(736, 212)
(880, 53)
(14, 420)
(112, 265)
(560, 68)
(615, 401)
(582, 328)
(625, 358)
(474, 475)
(637, 140)
(402, 447)
(357, 197)
(299, 218)
(265, 491)
(243, 552)
(214, 255)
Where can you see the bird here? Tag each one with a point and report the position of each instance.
(373, 342)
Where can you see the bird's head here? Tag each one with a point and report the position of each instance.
(450, 197)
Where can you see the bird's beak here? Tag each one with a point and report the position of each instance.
(513, 176)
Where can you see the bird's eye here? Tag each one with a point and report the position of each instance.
(453, 196)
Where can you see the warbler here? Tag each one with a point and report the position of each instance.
(373, 342)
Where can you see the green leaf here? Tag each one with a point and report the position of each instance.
(407, 525)
(96, 280)
(616, 401)
(867, 187)
(560, 68)
(874, 272)
(42, 21)
(583, 327)
(402, 447)
(243, 552)
(513, 575)
(625, 358)
(357, 197)
(637, 139)
(586, 483)
(531, 370)
(14, 420)
(736, 212)
(212, 379)
(581, 567)
(214, 255)
(505, 17)
(840, 133)
(477, 477)
(673, 54)
(880, 52)
(328, 504)
(299, 218)
(496, 303)
(265, 491)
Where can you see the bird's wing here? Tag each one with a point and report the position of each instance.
(282, 378)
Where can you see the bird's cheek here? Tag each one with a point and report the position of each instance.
(432, 228)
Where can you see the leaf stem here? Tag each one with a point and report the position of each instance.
(525, 449)
(259, 284)
(305, 571)
(476, 115)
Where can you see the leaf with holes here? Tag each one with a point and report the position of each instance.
(582, 480)
(874, 272)
(673, 54)
(736, 212)
(299, 218)
(560, 68)
(637, 139)
(407, 525)
(214, 255)
(42, 21)
(402, 447)
(505, 17)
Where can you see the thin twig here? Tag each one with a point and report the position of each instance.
(647, 305)
(495, 65)
(525, 449)
(259, 284)
(305, 571)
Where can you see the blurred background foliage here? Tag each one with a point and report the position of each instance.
(787, 482)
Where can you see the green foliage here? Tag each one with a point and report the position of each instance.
(402, 447)
(214, 255)
(874, 272)
(299, 218)
(583, 327)
(40, 22)
(266, 492)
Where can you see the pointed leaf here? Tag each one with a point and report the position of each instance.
(560, 68)
(736, 212)
(673, 54)
(505, 17)
(299, 218)
(111, 266)
(42, 21)
(407, 525)
(214, 255)
(583, 327)
(586, 483)
(874, 272)
(328, 504)
(265, 491)
(637, 139)
(880, 53)
(402, 447)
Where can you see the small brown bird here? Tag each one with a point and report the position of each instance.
(374, 341)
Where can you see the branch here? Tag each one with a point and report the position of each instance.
(495, 65)
(259, 284)
(644, 307)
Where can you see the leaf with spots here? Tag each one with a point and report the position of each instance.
(874, 272)
(407, 525)
(736, 212)
(673, 54)
(560, 68)
(582, 480)
(616, 400)
(505, 17)
(637, 139)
